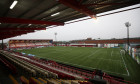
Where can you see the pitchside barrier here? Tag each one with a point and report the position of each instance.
(134, 52)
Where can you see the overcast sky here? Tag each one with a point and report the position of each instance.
(106, 27)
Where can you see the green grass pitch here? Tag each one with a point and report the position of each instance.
(108, 60)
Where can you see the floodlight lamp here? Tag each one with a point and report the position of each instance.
(13, 4)
(29, 24)
(55, 14)
(55, 33)
(127, 24)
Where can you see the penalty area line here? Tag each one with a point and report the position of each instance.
(125, 65)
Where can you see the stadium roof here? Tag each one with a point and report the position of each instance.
(30, 15)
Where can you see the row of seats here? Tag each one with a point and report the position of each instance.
(73, 70)
(112, 80)
(38, 80)
(31, 68)
(14, 81)
(65, 68)
(8, 65)
(16, 62)
(33, 80)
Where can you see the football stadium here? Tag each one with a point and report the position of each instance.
(52, 61)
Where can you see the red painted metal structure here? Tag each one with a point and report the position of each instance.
(19, 29)
(16, 32)
(78, 6)
(11, 20)
(27, 21)
(9, 34)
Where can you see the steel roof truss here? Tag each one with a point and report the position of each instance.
(27, 21)
(77, 6)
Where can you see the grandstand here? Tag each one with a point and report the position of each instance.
(42, 61)
(28, 43)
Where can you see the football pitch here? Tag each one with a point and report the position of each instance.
(109, 60)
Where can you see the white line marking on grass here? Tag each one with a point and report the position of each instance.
(93, 53)
(111, 53)
(125, 65)
(86, 66)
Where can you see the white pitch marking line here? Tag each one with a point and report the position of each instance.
(111, 53)
(93, 53)
(125, 65)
